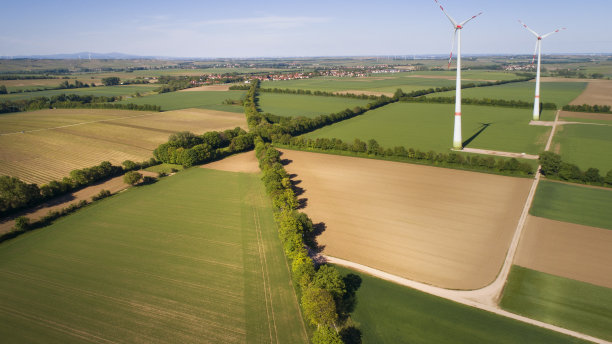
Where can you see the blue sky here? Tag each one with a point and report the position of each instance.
(299, 28)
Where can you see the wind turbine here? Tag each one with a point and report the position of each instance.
(457, 143)
(538, 51)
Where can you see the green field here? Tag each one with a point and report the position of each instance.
(95, 91)
(389, 313)
(164, 168)
(305, 105)
(560, 93)
(573, 203)
(430, 127)
(564, 302)
(212, 100)
(192, 258)
(585, 145)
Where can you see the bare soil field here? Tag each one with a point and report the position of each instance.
(113, 185)
(443, 227)
(567, 250)
(367, 93)
(597, 92)
(586, 115)
(51, 151)
(224, 87)
(244, 162)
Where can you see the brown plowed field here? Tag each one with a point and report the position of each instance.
(243, 162)
(367, 93)
(439, 226)
(55, 142)
(597, 92)
(586, 115)
(224, 87)
(568, 250)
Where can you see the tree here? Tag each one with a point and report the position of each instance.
(111, 81)
(551, 163)
(592, 176)
(22, 223)
(3, 89)
(129, 165)
(329, 278)
(132, 177)
(326, 335)
(319, 306)
(608, 178)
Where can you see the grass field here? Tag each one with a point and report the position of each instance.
(430, 127)
(164, 168)
(560, 301)
(560, 93)
(390, 313)
(192, 258)
(302, 105)
(58, 141)
(585, 145)
(184, 100)
(95, 91)
(573, 203)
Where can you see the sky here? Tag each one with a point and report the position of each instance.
(259, 28)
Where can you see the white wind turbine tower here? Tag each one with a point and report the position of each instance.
(538, 51)
(457, 143)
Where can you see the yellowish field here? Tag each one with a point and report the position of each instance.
(221, 88)
(598, 92)
(243, 162)
(55, 142)
(439, 226)
(567, 250)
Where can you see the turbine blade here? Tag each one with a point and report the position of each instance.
(464, 22)
(550, 33)
(452, 49)
(530, 30)
(447, 16)
(535, 51)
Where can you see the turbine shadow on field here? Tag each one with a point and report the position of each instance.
(482, 128)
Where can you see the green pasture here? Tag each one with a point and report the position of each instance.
(472, 75)
(193, 258)
(560, 93)
(95, 91)
(564, 302)
(430, 127)
(212, 100)
(585, 145)
(305, 105)
(573, 203)
(390, 313)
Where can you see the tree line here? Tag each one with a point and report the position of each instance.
(62, 86)
(327, 297)
(553, 167)
(483, 101)
(588, 108)
(372, 149)
(188, 149)
(71, 101)
(16, 194)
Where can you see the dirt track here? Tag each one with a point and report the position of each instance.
(113, 185)
(567, 250)
(243, 162)
(443, 227)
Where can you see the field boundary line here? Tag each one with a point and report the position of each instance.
(264, 274)
(455, 296)
(76, 124)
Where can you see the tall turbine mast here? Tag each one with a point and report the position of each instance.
(457, 142)
(538, 52)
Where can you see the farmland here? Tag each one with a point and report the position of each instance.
(560, 93)
(429, 127)
(76, 138)
(564, 302)
(573, 203)
(567, 250)
(192, 258)
(423, 223)
(303, 105)
(95, 91)
(390, 313)
(212, 100)
(585, 145)
(597, 92)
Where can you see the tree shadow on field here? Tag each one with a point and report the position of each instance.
(482, 128)
(285, 162)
